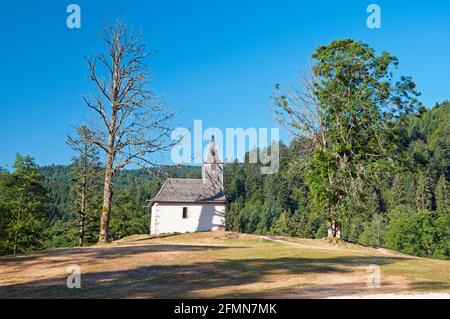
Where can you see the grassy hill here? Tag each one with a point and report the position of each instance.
(218, 264)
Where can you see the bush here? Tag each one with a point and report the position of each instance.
(422, 233)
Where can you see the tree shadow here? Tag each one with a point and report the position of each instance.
(185, 280)
(430, 285)
(107, 252)
(210, 219)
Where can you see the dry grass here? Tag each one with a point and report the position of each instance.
(217, 265)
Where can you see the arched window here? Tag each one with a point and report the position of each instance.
(185, 212)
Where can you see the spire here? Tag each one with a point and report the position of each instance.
(212, 154)
(212, 170)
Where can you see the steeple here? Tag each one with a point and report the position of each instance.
(212, 170)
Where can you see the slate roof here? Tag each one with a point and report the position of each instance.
(184, 190)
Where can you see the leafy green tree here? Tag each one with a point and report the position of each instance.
(4, 213)
(346, 107)
(25, 205)
(442, 226)
(400, 233)
(418, 233)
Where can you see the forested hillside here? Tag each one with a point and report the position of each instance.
(141, 183)
(132, 190)
(39, 208)
(408, 210)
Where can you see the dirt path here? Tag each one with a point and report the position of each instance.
(324, 245)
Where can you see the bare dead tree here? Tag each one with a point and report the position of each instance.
(132, 124)
(301, 114)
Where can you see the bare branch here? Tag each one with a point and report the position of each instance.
(132, 125)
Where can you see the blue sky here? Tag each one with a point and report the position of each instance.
(217, 60)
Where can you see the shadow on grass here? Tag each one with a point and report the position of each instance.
(430, 285)
(184, 281)
(107, 252)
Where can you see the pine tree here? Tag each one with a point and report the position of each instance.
(25, 205)
(442, 195)
(402, 191)
(3, 212)
(281, 225)
(86, 187)
(423, 192)
(232, 215)
(128, 217)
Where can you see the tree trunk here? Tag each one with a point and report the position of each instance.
(330, 230)
(82, 209)
(378, 235)
(334, 231)
(107, 196)
(338, 231)
(81, 238)
(107, 190)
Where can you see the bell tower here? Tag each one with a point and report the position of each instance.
(212, 170)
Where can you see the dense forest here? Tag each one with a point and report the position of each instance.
(38, 207)
(367, 163)
(409, 212)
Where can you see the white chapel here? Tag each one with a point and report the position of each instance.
(191, 205)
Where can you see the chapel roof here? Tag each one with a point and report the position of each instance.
(185, 190)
